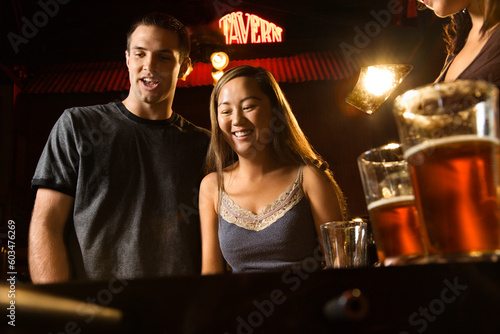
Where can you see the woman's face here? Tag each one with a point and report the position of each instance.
(444, 8)
(245, 115)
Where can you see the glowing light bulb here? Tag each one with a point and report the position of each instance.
(375, 84)
(219, 60)
(216, 76)
(378, 81)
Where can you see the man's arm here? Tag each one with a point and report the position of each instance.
(47, 256)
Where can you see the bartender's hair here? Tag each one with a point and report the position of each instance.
(456, 32)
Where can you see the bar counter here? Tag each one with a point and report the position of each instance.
(444, 298)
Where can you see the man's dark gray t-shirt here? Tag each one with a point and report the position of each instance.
(135, 183)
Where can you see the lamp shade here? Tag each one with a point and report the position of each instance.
(375, 84)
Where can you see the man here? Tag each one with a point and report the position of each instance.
(118, 183)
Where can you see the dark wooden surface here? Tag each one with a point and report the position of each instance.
(453, 298)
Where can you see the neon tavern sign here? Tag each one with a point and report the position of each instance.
(253, 30)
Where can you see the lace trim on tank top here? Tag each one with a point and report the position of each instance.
(234, 214)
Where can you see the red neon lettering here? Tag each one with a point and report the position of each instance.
(255, 23)
(243, 28)
(265, 31)
(237, 31)
(224, 25)
(277, 34)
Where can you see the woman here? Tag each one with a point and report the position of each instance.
(473, 39)
(269, 191)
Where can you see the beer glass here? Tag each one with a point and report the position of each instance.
(391, 206)
(450, 140)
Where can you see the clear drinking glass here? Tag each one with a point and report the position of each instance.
(344, 244)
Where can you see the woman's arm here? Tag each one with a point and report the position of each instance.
(212, 260)
(322, 195)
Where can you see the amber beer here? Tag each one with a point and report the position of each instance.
(396, 230)
(455, 184)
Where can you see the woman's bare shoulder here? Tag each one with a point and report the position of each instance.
(209, 182)
(314, 174)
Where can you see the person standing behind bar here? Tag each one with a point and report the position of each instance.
(261, 212)
(118, 183)
(473, 39)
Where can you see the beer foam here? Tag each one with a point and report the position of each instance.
(391, 200)
(448, 140)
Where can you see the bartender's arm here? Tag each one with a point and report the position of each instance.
(47, 255)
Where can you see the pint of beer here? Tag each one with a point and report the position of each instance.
(450, 138)
(391, 205)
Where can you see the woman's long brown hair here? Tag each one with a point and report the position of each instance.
(288, 141)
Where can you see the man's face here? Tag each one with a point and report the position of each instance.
(153, 62)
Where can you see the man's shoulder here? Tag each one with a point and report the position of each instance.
(96, 109)
(92, 115)
(189, 127)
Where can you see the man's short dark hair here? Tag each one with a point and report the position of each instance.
(167, 22)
